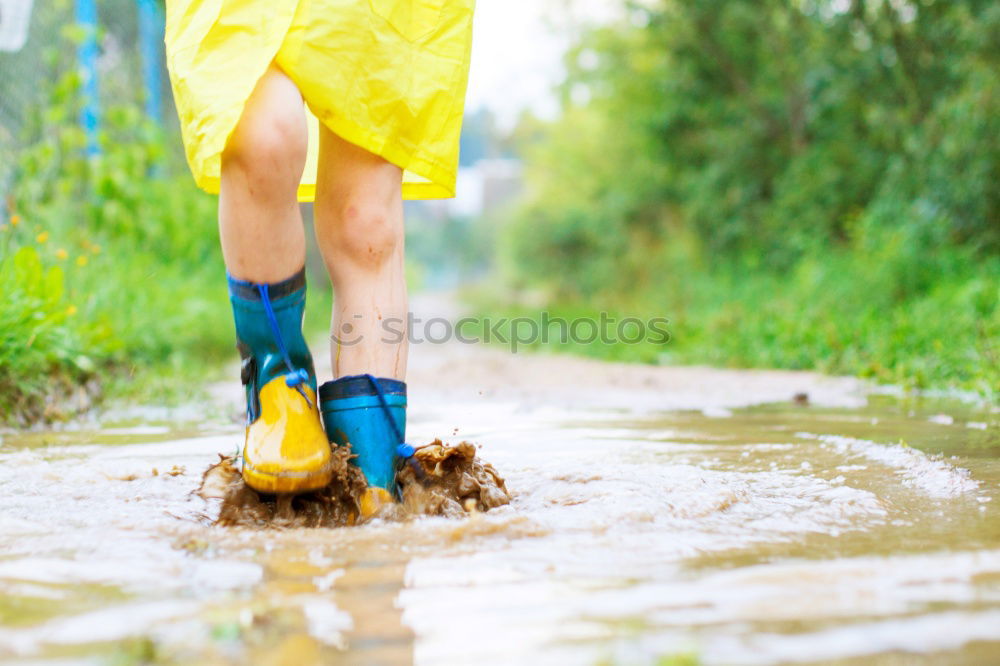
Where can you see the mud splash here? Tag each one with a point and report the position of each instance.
(455, 482)
(445, 480)
(241, 506)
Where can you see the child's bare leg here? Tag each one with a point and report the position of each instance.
(286, 449)
(359, 227)
(259, 220)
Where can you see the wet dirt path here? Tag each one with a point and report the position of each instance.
(657, 513)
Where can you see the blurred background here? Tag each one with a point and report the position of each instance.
(794, 184)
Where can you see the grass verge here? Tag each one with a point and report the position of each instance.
(832, 314)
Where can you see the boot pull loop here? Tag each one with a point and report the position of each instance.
(403, 450)
(295, 377)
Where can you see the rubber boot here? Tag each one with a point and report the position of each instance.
(368, 413)
(286, 450)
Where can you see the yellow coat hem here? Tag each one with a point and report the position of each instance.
(412, 54)
(437, 176)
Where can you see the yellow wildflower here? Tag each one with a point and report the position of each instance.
(62, 254)
(42, 237)
(81, 260)
(70, 311)
(15, 220)
(95, 248)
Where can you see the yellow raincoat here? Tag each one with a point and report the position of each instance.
(387, 75)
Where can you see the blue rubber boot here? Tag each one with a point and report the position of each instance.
(370, 414)
(286, 450)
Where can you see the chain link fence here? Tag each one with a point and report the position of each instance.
(115, 47)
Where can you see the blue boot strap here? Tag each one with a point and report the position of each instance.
(403, 450)
(295, 376)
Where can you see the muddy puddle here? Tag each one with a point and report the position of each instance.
(440, 479)
(781, 533)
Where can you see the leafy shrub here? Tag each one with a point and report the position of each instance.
(128, 247)
(793, 184)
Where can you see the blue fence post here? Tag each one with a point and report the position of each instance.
(86, 18)
(150, 45)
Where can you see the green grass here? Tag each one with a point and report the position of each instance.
(109, 266)
(36, 328)
(80, 305)
(839, 313)
(150, 322)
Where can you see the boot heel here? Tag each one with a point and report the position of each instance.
(353, 413)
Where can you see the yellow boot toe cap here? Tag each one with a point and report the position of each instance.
(286, 450)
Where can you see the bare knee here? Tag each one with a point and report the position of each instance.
(366, 233)
(268, 147)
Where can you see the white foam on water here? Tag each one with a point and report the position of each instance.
(589, 561)
(90, 515)
(618, 517)
(326, 621)
(579, 483)
(932, 475)
(934, 632)
(512, 613)
(114, 622)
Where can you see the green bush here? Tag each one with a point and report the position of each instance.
(36, 332)
(802, 185)
(110, 262)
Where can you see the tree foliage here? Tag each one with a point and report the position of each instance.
(737, 139)
(772, 128)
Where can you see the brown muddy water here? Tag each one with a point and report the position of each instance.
(667, 525)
